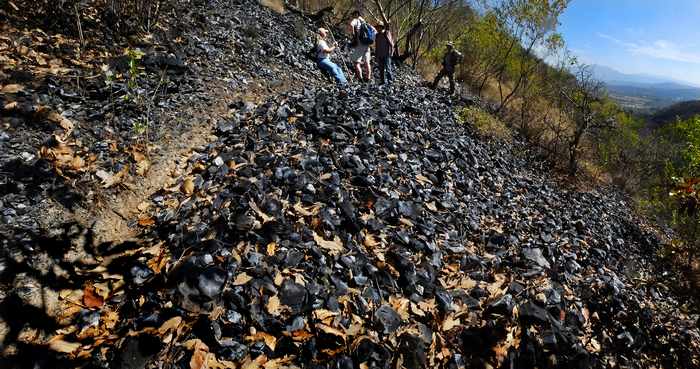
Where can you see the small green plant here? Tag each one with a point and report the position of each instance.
(109, 82)
(134, 56)
(139, 127)
(485, 124)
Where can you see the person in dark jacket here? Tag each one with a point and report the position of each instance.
(384, 47)
(449, 63)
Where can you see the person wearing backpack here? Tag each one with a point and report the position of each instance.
(449, 63)
(323, 52)
(384, 48)
(363, 35)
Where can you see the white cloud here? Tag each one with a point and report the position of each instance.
(659, 49)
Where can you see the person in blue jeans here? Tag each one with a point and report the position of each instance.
(384, 48)
(323, 52)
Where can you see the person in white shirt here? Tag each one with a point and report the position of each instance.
(361, 53)
(323, 52)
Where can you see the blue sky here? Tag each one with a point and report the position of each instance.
(660, 37)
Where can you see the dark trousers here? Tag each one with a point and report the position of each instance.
(386, 67)
(444, 72)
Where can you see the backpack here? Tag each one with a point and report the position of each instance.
(366, 34)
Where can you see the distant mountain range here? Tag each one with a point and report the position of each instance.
(644, 93)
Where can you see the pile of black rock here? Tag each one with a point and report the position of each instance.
(369, 229)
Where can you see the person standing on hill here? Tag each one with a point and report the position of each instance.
(384, 47)
(323, 52)
(363, 35)
(449, 63)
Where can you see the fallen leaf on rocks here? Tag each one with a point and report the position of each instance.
(266, 218)
(495, 287)
(170, 324)
(91, 299)
(423, 179)
(274, 307)
(109, 179)
(62, 121)
(187, 186)
(330, 330)
(146, 221)
(143, 206)
(271, 248)
(142, 162)
(256, 363)
(242, 279)
(269, 339)
(279, 363)
(200, 356)
(449, 323)
(12, 89)
(59, 345)
(334, 247)
(307, 212)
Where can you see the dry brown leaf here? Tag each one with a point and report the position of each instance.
(325, 315)
(401, 305)
(449, 323)
(270, 340)
(254, 364)
(370, 240)
(59, 345)
(302, 335)
(143, 206)
(200, 356)
(334, 247)
(91, 299)
(279, 279)
(467, 283)
(40, 60)
(271, 248)
(187, 186)
(169, 325)
(109, 179)
(215, 363)
(142, 167)
(142, 162)
(431, 206)
(278, 363)
(62, 121)
(303, 211)
(12, 88)
(242, 279)
(77, 163)
(274, 306)
(330, 330)
(146, 221)
(415, 309)
(423, 179)
(495, 287)
(159, 261)
(109, 319)
(266, 218)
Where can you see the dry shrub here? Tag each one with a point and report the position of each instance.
(486, 124)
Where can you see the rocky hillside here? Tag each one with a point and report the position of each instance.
(304, 226)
